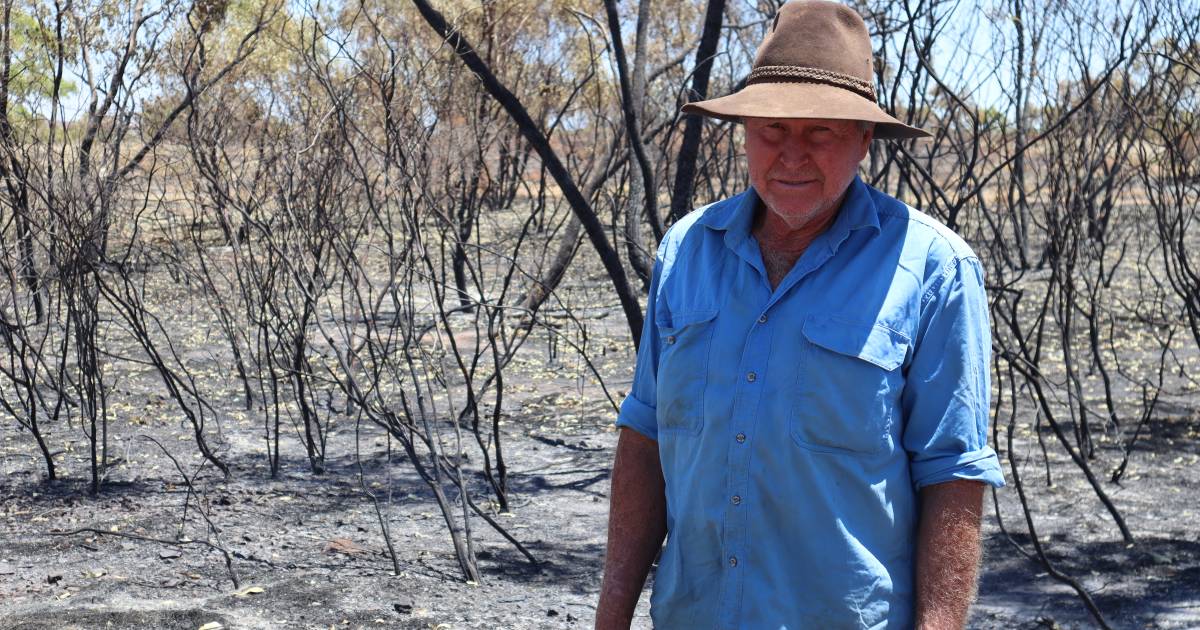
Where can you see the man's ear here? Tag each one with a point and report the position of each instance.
(868, 134)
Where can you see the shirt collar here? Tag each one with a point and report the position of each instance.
(858, 212)
(734, 217)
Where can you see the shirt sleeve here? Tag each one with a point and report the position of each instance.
(638, 410)
(947, 388)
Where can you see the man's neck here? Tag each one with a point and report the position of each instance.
(782, 245)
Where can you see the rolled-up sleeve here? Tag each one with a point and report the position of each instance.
(947, 385)
(638, 410)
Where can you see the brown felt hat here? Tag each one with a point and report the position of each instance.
(814, 63)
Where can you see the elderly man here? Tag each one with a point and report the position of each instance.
(807, 425)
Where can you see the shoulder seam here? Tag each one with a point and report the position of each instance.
(947, 270)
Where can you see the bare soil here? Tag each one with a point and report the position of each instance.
(307, 550)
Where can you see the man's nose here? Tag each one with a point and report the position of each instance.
(795, 152)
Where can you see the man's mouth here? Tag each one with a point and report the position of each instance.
(794, 183)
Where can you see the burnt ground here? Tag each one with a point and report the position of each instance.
(308, 551)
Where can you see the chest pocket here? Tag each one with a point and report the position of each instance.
(683, 369)
(849, 386)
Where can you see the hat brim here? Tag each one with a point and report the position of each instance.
(803, 100)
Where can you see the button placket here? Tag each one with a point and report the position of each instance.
(747, 394)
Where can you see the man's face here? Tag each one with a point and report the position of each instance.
(801, 167)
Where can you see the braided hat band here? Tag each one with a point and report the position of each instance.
(800, 74)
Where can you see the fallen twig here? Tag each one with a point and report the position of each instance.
(162, 541)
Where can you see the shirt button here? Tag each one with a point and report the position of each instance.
(741, 438)
(732, 561)
(671, 339)
(737, 500)
(762, 319)
(751, 376)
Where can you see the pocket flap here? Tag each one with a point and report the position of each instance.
(683, 319)
(871, 342)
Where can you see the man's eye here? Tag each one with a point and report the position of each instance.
(820, 134)
(771, 134)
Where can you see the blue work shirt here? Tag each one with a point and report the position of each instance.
(796, 425)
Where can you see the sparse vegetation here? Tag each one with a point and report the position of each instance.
(385, 258)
